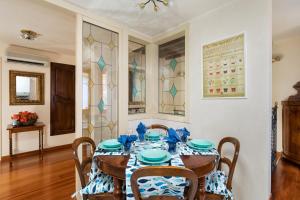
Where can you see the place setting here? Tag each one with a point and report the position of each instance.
(154, 156)
(200, 144)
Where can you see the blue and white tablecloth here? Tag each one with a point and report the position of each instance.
(153, 185)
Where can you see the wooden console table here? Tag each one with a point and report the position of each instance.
(39, 126)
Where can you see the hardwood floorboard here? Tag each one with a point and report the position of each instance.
(286, 181)
(30, 178)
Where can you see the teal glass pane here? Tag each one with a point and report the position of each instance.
(173, 90)
(101, 63)
(134, 91)
(173, 64)
(134, 65)
(101, 106)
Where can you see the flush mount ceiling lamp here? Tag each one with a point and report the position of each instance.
(155, 4)
(29, 34)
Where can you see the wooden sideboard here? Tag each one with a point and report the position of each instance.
(38, 126)
(291, 127)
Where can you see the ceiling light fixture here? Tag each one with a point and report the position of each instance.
(155, 2)
(29, 34)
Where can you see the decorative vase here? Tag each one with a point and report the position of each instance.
(15, 123)
(29, 122)
(24, 118)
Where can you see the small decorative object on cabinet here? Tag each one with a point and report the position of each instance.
(24, 118)
(291, 126)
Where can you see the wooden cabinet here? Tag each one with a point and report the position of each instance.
(291, 127)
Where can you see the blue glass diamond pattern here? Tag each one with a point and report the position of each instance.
(134, 91)
(101, 105)
(173, 64)
(173, 90)
(134, 65)
(101, 63)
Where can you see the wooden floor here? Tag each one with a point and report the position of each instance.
(32, 179)
(53, 178)
(286, 181)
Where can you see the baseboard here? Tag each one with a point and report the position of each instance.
(36, 152)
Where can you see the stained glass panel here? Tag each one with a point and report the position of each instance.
(137, 78)
(100, 68)
(172, 77)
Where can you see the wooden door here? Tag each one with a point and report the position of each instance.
(62, 99)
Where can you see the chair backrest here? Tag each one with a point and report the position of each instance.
(231, 163)
(158, 126)
(164, 171)
(84, 142)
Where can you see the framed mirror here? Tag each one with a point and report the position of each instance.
(26, 88)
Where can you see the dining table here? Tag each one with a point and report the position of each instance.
(115, 165)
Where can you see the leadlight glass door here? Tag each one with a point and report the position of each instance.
(100, 82)
(137, 78)
(172, 77)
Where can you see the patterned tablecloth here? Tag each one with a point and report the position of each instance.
(154, 185)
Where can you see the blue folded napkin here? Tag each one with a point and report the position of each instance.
(172, 137)
(184, 133)
(141, 129)
(126, 140)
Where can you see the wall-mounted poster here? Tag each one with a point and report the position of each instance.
(224, 68)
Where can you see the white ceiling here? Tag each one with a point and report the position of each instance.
(148, 21)
(56, 25)
(286, 19)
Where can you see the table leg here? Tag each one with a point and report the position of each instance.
(42, 142)
(117, 189)
(40, 147)
(10, 146)
(201, 191)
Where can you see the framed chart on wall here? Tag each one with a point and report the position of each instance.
(224, 68)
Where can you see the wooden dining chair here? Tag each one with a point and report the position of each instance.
(158, 126)
(164, 171)
(230, 162)
(83, 167)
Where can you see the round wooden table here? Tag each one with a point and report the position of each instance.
(115, 166)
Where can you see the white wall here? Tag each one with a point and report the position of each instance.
(247, 119)
(286, 73)
(23, 142)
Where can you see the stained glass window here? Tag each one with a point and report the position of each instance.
(137, 78)
(100, 69)
(172, 77)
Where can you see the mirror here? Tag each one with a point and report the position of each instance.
(26, 88)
